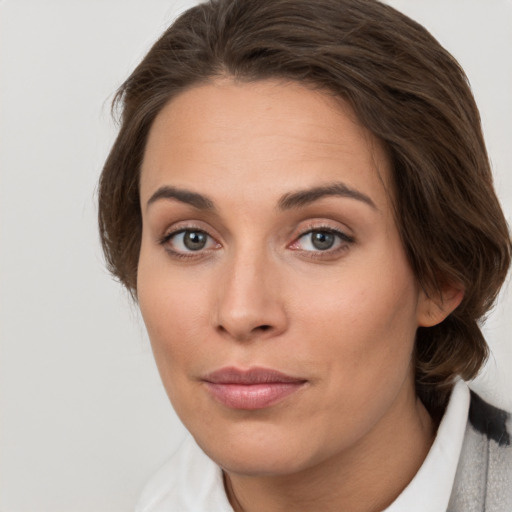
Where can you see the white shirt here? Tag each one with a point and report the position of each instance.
(191, 482)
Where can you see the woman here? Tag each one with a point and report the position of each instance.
(300, 200)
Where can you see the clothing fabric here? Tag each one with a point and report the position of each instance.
(468, 468)
(483, 482)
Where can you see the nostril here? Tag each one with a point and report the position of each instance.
(264, 327)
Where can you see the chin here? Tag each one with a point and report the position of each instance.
(259, 451)
(258, 462)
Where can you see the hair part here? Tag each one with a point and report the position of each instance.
(402, 85)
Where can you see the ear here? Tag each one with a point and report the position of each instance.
(433, 309)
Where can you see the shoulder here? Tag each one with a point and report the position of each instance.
(188, 482)
(484, 474)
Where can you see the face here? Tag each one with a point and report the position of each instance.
(272, 280)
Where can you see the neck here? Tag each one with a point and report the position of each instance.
(368, 477)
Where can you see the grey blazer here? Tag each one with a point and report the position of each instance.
(483, 482)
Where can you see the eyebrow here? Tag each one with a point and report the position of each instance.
(288, 201)
(304, 197)
(196, 200)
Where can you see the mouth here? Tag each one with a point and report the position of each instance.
(256, 388)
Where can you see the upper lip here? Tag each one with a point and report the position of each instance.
(255, 375)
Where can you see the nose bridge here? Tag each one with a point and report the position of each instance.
(249, 301)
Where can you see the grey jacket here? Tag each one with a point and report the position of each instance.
(483, 482)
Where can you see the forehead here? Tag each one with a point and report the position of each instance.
(271, 133)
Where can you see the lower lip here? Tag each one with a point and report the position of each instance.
(252, 396)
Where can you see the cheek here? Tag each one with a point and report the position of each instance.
(173, 312)
(361, 340)
(365, 324)
(172, 318)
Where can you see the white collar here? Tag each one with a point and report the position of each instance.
(430, 489)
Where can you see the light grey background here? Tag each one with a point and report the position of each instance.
(84, 419)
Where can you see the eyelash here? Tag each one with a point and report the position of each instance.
(346, 241)
(164, 241)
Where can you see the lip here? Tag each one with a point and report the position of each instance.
(252, 389)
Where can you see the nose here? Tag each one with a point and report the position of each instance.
(250, 302)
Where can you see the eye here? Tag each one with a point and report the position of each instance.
(188, 241)
(322, 240)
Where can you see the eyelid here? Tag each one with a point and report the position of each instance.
(171, 234)
(186, 225)
(183, 227)
(340, 234)
(344, 240)
(324, 225)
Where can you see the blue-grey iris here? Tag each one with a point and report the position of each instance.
(194, 240)
(322, 240)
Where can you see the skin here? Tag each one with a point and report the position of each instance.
(261, 294)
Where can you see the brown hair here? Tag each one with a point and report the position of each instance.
(403, 86)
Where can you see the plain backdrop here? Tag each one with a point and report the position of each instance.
(84, 420)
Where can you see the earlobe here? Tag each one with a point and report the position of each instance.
(432, 310)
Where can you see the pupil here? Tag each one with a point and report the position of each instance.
(194, 240)
(323, 240)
